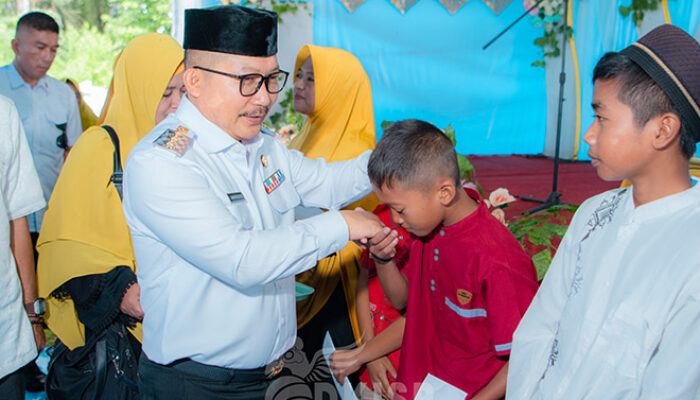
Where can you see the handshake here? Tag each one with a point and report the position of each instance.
(367, 230)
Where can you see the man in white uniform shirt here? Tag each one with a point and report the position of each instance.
(209, 197)
(47, 106)
(20, 195)
(618, 313)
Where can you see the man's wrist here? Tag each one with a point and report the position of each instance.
(37, 307)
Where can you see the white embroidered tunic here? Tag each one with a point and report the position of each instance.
(618, 314)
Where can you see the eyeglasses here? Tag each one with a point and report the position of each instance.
(251, 83)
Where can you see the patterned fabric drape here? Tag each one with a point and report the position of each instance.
(452, 6)
(351, 5)
(403, 5)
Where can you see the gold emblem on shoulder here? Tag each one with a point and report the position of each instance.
(174, 140)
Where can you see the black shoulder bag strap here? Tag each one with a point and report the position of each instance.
(100, 366)
(101, 353)
(117, 173)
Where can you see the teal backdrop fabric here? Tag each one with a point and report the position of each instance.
(598, 28)
(428, 64)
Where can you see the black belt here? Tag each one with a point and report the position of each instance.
(223, 374)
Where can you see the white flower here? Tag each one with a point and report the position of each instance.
(288, 130)
(500, 197)
(500, 215)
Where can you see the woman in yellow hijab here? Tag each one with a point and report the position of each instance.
(87, 117)
(86, 267)
(333, 90)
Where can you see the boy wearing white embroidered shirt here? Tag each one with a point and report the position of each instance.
(618, 314)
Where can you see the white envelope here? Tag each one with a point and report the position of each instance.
(434, 388)
(345, 390)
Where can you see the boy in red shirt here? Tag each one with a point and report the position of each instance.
(467, 283)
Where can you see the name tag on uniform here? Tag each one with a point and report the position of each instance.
(234, 197)
(274, 181)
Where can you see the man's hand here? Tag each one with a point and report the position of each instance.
(131, 304)
(362, 225)
(378, 370)
(345, 362)
(383, 244)
(39, 337)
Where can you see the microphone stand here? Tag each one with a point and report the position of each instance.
(554, 197)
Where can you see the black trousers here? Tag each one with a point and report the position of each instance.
(12, 386)
(187, 379)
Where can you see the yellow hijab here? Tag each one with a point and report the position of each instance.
(340, 127)
(87, 117)
(84, 231)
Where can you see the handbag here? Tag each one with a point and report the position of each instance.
(106, 367)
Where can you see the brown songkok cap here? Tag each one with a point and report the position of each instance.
(672, 58)
(231, 29)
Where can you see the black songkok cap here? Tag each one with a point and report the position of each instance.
(231, 29)
(671, 57)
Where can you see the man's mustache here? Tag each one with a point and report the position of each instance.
(258, 112)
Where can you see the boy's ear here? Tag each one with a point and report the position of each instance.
(668, 128)
(446, 191)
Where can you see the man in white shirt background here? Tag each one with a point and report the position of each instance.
(47, 107)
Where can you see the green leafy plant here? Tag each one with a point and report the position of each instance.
(637, 8)
(287, 116)
(540, 233)
(279, 6)
(548, 17)
(89, 46)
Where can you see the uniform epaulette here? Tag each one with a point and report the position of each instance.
(176, 140)
(266, 131)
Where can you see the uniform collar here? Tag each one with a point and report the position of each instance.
(665, 206)
(212, 138)
(16, 79)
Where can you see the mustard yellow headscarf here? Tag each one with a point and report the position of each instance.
(340, 127)
(84, 230)
(87, 117)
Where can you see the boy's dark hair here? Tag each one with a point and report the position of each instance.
(37, 20)
(413, 153)
(642, 94)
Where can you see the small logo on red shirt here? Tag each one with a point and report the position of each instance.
(463, 296)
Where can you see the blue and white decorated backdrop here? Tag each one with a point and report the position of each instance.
(428, 64)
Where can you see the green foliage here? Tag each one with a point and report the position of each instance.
(542, 260)
(86, 54)
(550, 43)
(549, 18)
(550, 13)
(288, 116)
(540, 229)
(637, 9)
(88, 49)
(279, 6)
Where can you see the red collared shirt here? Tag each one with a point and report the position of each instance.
(469, 285)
